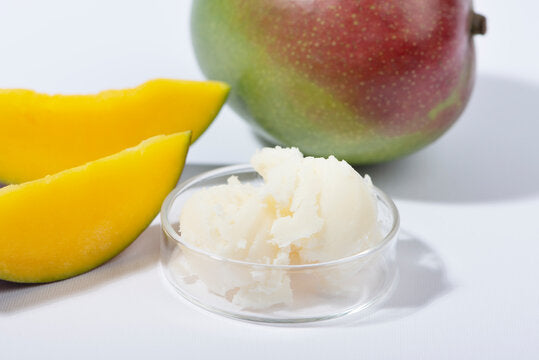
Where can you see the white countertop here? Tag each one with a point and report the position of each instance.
(468, 255)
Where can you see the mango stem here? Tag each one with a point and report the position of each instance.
(479, 24)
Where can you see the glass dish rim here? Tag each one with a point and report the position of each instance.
(246, 168)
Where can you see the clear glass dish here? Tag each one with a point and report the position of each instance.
(319, 291)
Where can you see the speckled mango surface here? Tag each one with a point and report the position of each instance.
(42, 134)
(71, 222)
(367, 80)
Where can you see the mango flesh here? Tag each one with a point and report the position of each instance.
(367, 81)
(71, 222)
(42, 134)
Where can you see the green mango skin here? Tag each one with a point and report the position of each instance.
(364, 80)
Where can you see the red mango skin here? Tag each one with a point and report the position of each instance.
(367, 81)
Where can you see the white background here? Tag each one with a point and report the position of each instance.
(468, 256)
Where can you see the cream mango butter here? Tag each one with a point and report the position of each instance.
(307, 210)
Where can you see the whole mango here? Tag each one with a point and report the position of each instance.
(364, 80)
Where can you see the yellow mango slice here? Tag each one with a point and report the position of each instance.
(42, 134)
(71, 222)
